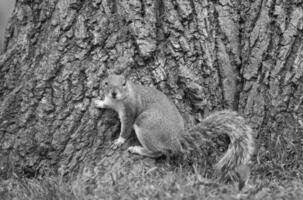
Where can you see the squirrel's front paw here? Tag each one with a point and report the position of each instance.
(99, 103)
(118, 142)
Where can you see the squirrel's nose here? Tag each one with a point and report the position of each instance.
(114, 94)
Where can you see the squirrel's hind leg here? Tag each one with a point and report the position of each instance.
(143, 151)
(145, 138)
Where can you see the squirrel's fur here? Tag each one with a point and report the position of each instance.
(229, 123)
(159, 125)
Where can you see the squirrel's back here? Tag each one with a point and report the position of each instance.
(151, 98)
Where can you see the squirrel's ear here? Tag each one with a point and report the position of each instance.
(127, 74)
(105, 72)
(104, 76)
(104, 82)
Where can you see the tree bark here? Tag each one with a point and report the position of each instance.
(205, 55)
(6, 8)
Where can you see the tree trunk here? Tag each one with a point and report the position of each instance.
(6, 8)
(205, 55)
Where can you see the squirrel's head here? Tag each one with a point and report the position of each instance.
(116, 87)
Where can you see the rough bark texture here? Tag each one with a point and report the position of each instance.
(205, 55)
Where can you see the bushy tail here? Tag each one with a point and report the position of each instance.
(228, 123)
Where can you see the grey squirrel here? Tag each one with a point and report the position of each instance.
(159, 125)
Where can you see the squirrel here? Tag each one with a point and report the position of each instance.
(160, 127)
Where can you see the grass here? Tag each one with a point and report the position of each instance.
(161, 182)
(276, 174)
(140, 178)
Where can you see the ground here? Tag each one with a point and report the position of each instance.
(163, 181)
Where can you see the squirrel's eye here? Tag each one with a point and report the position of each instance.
(106, 83)
(124, 84)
